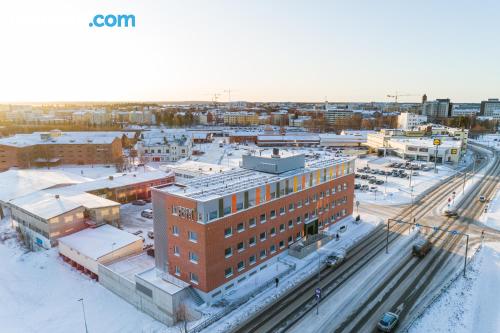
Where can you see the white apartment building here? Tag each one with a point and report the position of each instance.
(409, 121)
(169, 148)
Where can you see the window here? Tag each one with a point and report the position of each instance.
(193, 236)
(240, 227)
(193, 277)
(193, 257)
(273, 214)
(241, 266)
(228, 272)
(228, 252)
(177, 270)
(251, 222)
(306, 202)
(228, 232)
(282, 244)
(177, 252)
(315, 197)
(282, 227)
(299, 204)
(299, 220)
(290, 240)
(175, 230)
(339, 188)
(306, 216)
(282, 210)
(291, 207)
(298, 236)
(240, 247)
(263, 254)
(345, 186)
(327, 193)
(321, 194)
(252, 259)
(273, 231)
(272, 249)
(262, 218)
(252, 241)
(290, 224)
(262, 236)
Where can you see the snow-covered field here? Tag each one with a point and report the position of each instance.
(397, 191)
(471, 304)
(39, 293)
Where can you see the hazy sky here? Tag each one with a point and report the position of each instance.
(263, 50)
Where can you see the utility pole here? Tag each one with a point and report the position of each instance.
(466, 248)
(84, 318)
(387, 239)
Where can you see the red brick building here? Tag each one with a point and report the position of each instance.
(216, 230)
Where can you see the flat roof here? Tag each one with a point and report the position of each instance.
(98, 242)
(47, 205)
(17, 183)
(25, 140)
(209, 187)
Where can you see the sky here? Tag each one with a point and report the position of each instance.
(262, 50)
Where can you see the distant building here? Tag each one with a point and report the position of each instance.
(299, 121)
(242, 118)
(56, 148)
(465, 110)
(334, 115)
(440, 108)
(169, 148)
(407, 121)
(490, 108)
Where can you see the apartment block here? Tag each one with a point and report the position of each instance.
(216, 230)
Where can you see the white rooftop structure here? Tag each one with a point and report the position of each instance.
(16, 183)
(98, 242)
(58, 137)
(54, 202)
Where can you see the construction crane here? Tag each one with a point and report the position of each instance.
(396, 96)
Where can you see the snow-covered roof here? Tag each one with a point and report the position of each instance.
(16, 183)
(118, 180)
(277, 138)
(36, 138)
(57, 201)
(98, 242)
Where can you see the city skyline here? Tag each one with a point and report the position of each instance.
(262, 51)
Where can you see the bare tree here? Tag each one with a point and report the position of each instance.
(182, 317)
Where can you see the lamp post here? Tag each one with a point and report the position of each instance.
(84, 318)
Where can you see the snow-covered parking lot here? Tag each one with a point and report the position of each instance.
(397, 190)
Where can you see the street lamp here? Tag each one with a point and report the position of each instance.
(84, 318)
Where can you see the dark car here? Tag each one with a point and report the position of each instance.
(421, 248)
(379, 182)
(357, 186)
(451, 213)
(139, 203)
(334, 260)
(388, 322)
(364, 176)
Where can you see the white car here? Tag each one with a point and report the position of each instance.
(147, 213)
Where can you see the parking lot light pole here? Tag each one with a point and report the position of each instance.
(84, 318)
(466, 248)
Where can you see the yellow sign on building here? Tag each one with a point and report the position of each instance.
(437, 142)
(454, 151)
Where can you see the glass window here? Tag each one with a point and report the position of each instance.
(291, 207)
(273, 231)
(193, 257)
(177, 270)
(272, 249)
(175, 230)
(282, 227)
(290, 224)
(177, 251)
(282, 244)
(262, 218)
(252, 241)
(299, 204)
(193, 277)
(228, 272)
(252, 259)
(263, 254)
(251, 222)
(193, 236)
(228, 232)
(240, 247)
(241, 266)
(273, 214)
(262, 236)
(282, 210)
(241, 227)
(228, 252)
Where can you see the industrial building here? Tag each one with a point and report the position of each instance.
(215, 230)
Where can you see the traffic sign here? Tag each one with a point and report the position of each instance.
(454, 151)
(437, 142)
(454, 232)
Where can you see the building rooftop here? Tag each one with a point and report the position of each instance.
(209, 187)
(57, 137)
(98, 242)
(57, 201)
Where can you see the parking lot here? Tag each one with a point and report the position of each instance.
(133, 222)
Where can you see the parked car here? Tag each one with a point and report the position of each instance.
(426, 169)
(365, 188)
(147, 213)
(379, 182)
(139, 203)
(357, 175)
(364, 176)
(482, 198)
(334, 260)
(357, 186)
(421, 248)
(151, 234)
(388, 322)
(414, 173)
(373, 189)
(372, 181)
(343, 229)
(138, 232)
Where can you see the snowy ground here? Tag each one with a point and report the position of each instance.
(39, 293)
(490, 140)
(471, 304)
(98, 171)
(396, 191)
(304, 268)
